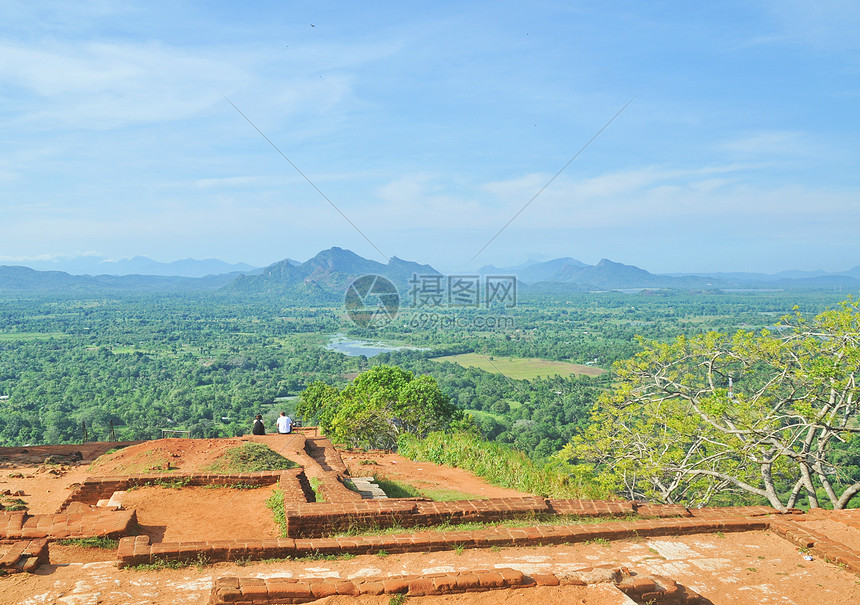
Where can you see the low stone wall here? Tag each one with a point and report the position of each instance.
(316, 520)
(321, 450)
(274, 591)
(659, 590)
(313, 520)
(305, 520)
(289, 590)
(94, 489)
(295, 487)
(332, 489)
(795, 530)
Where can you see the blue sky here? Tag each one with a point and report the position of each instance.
(430, 126)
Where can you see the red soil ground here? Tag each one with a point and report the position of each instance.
(45, 486)
(747, 568)
(186, 455)
(200, 513)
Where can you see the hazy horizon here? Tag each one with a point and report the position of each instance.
(68, 264)
(429, 128)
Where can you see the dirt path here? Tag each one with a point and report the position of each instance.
(438, 482)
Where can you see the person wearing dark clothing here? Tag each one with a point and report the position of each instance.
(259, 427)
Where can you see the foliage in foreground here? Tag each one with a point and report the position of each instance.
(772, 416)
(378, 406)
(499, 464)
(250, 457)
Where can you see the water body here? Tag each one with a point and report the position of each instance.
(354, 348)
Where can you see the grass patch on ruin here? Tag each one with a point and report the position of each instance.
(199, 562)
(316, 487)
(12, 504)
(449, 495)
(534, 520)
(250, 457)
(397, 489)
(177, 483)
(275, 503)
(92, 542)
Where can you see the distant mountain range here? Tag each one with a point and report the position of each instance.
(139, 265)
(26, 280)
(611, 275)
(533, 272)
(326, 276)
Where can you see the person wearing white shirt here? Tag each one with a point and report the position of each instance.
(285, 424)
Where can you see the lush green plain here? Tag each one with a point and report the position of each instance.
(207, 363)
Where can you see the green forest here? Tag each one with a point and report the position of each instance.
(132, 366)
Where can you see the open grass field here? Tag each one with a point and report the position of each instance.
(520, 368)
(24, 336)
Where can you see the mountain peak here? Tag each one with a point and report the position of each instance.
(329, 274)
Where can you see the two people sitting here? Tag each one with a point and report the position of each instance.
(284, 422)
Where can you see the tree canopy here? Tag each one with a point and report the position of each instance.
(378, 406)
(772, 415)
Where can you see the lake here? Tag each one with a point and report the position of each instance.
(354, 348)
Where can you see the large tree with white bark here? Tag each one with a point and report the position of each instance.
(771, 415)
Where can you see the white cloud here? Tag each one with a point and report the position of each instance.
(770, 143)
(652, 195)
(422, 200)
(828, 25)
(48, 257)
(232, 181)
(100, 85)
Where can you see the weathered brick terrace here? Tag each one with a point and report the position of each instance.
(138, 550)
(311, 528)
